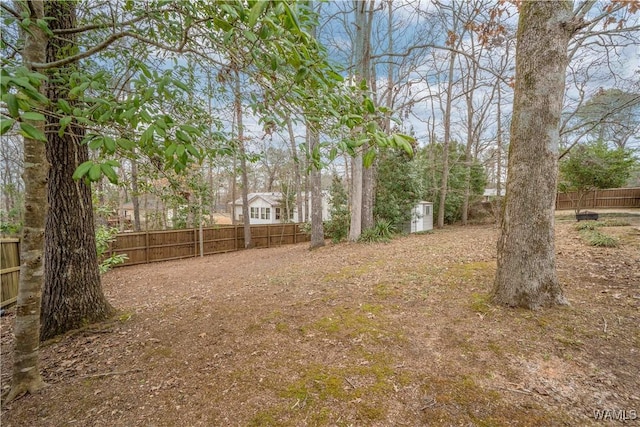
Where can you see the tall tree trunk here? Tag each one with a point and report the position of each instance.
(243, 163)
(135, 199)
(526, 273)
(498, 207)
(317, 228)
(444, 184)
(355, 226)
(296, 168)
(366, 9)
(468, 162)
(361, 56)
(72, 294)
(26, 370)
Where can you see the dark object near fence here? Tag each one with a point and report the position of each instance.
(587, 216)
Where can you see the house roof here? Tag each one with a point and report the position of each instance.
(273, 198)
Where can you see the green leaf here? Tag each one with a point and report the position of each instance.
(32, 115)
(78, 90)
(82, 169)
(64, 106)
(95, 172)
(125, 143)
(42, 24)
(64, 122)
(108, 171)
(368, 158)
(404, 142)
(255, 13)
(249, 35)
(12, 105)
(335, 76)
(191, 129)
(181, 85)
(109, 145)
(368, 104)
(28, 130)
(147, 137)
(96, 143)
(170, 150)
(5, 124)
(182, 136)
(192, 150)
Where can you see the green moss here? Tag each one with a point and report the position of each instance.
(480, 303)
(370, 413)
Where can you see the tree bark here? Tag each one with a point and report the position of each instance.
(243, 163)
(366, 10)
(296, 171)
(135, 199)
(355, 227)
(444, 184)
(26, 356)
(317, 228)
(526, 274)
(498, 208)
(72, 295)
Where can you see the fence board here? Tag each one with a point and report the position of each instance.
(153, 246)
(9, 271)
(603, 199)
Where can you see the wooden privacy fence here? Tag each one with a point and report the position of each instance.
(9, 270)
(610, 198)
(152, 246)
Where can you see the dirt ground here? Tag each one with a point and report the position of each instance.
(396, 334)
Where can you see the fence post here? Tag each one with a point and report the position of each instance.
(146, 244)
(268, 235)
(195, 242)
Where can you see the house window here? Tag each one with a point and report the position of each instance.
(278, 213)
(255, 213)
(265, 213)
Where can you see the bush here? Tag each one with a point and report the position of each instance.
(381, 232)
(338, 226)
(595, 238)
(104, 236)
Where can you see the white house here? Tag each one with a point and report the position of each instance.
(421, 218)
(266, 208)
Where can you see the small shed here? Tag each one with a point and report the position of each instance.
(421, 218)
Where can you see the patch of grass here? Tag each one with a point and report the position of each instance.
(569, 342)
(352, 271)
(468, 271)
(370, 413)
(480, 303)
(476, 405)
(592, 225)
(367, 383)
(383, 291)
(365, 322)
(615, 223)
(282, 327)
(586, 225)
(596, 238)
(267, 417)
